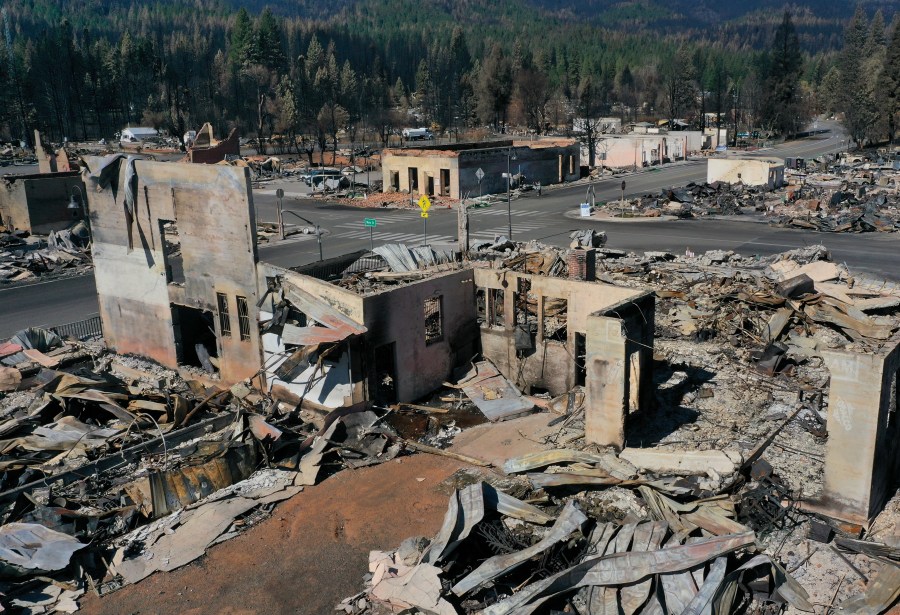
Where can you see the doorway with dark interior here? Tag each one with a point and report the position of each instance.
(385, 389)
(196, 343)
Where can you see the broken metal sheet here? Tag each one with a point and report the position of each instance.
(308, 469)
(699, 605)
(777, 322)
(65, 434)
(880, 594)
(783, 584)
(321, 312)
(313, 336)
(678, 588)
(183, 536)
(28, 548)
(262, 430)
(647, 537)
(467, 508)
(39, 357)
(840, 315)
(542, 480)
(402, 258)
(570, 520)
(8, 348)
(198, 529)
(619, 569)
(493, 394)
(37, 338)
(714, 516)
(543, 459)
(217, 467)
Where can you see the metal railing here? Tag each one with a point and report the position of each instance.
(80, 330)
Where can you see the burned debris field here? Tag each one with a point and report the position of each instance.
(641, 432)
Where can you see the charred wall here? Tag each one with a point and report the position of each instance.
(192, 239)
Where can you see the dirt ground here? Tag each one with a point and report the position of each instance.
(309, 555)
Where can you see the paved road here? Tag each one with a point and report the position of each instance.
(533, 218)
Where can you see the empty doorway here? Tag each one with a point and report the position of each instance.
(385, 389)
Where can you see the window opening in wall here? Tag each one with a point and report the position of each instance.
(481, 306)
(445, 182)
(526, 321)
(555, 319)
(413, 179)
(580, 359)
(224, 316)
(195, 337)
(571, 165)
(496, 317)
(243, 318)
(434, 328)
(430, 185)
(395, 180)
(172, 257)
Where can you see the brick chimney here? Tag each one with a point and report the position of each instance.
(582, 264)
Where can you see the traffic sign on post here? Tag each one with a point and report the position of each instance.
(479, 174)
(424, 203)
(370, 222)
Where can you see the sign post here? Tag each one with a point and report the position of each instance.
(479, 175)
(371, 223)
(279, 194)
(424, 205)
(623, 198)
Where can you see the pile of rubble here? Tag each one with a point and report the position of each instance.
(15, 155)
(858, 202)
(711, 515)
(114, 467)
(25, 257)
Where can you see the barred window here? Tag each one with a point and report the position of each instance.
(434, 328)
(243, 318)
(224, 316)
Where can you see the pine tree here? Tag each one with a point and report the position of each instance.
(241, 42)
(782, 108)
(855, 98)
(891, 80)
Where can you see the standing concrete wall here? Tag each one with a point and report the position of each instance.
(39, 203)
(212, 207)
(398, 316)
(552, 364)
(862, 457)
(753, 171)
(619, 366)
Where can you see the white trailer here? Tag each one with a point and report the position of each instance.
(414, 134)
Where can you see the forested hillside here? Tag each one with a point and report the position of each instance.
(306, 69)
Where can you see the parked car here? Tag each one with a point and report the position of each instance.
(316, 176)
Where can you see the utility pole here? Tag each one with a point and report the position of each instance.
(508, 196)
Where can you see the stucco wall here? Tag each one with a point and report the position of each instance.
(862, 461)
(39, 203)
(213, 209)
(551, 365)
(398, 315)
(753, 172)
(539, 163)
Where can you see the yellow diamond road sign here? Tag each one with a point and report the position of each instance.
(424, 203)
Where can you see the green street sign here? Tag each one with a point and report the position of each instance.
(370, 222)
